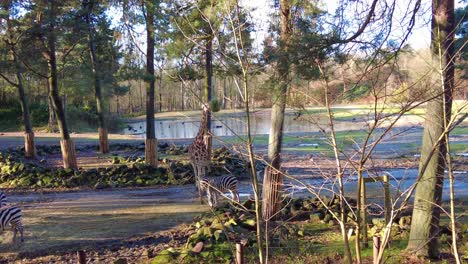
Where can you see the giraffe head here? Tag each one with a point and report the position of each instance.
(205, 107)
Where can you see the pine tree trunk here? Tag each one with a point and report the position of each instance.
(150, 149)
(426, 212)
(273, 180)
(29, 146)
(68, 148)
(151, 152)
(160, 90)
(224, 93)
(102, 129)
(68, 153)
(51, 121)
(208, 81)
(103, 140)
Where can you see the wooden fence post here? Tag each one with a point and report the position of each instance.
(81, 257)
(239, 253)
(376, 248)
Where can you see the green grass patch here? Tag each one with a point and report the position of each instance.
(460, 131)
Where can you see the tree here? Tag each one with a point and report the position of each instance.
(46, 13)
(427, 200)
(88, 6)
(12, 39)
(198, 26)
(151, 149)
(273, 179)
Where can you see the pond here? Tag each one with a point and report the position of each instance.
(230, 125)
(400, 180)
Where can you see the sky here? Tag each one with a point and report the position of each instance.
(419, 39)
(261, 11)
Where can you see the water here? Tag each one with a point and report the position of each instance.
(229, 126)
(400, 180)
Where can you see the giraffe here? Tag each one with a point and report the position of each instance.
(199, 150)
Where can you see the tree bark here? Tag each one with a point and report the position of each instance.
(151, 158)
(209, 81)
(51, 121)
(273, 179)
(224, 93)
(68, 148)
(102, 129)
(426, 212)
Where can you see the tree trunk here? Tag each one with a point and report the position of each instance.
(51, 121)
(224, 93)
(102, 129)
(182, 94)
(160, 89)
(29, 147)
(150, 149)
(273, 180)
(208, 83)
(426, 212)
(68, 148)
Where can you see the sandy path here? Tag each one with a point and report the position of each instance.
(56, 222)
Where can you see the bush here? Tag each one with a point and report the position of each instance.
(215, 106)
(39, 114)
(86, 114)
(10, 119)
(357, 92)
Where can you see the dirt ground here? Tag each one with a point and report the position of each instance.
(66, 221)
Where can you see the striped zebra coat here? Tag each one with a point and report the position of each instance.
(12, 215)
(218, 185)
(3, 199)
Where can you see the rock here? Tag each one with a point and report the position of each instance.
(300, 216)
(327, 218)
(198, 247)
(405, 221)
(147, 253)
(120, 261)
(315, 217)
(378, 222)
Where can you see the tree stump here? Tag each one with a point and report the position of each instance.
(151, 152)
(272, 190)
(68, 154)
(103, 140)
(29, 146)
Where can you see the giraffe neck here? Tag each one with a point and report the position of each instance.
(202, 129)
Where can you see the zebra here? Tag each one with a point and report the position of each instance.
(12, 215)
(220, 184)
(3, 199)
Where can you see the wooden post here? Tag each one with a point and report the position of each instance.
(151, 152)
(103, 140)
(387, 202)
(29, 147)
(239, 253)
(376, 248)
(68, 154)
(81, 257)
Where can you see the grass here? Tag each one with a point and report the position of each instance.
(322, 241)
(461, 130)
